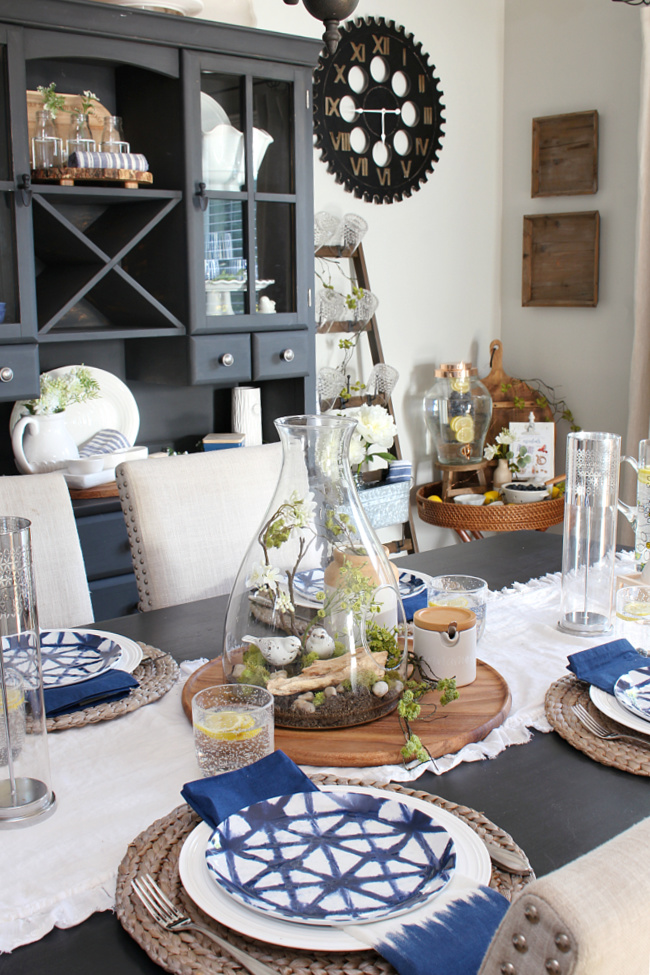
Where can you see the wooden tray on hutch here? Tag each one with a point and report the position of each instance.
(482, 706)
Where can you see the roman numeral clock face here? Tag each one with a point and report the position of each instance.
(377, 111)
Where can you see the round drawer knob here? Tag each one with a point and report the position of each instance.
(6, 374)
(227, 359)
(288, 355)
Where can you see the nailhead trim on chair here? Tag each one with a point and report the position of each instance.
(133, 533)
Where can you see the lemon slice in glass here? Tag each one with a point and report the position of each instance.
(460, 385)
(457, 601)
(229, 726)
(635, 611)
(465, 434)
(15, 698)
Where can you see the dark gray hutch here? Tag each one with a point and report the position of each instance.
(116, 277)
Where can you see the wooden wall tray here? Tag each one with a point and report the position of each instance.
(536, 515)
(482, 706)
(69, 175)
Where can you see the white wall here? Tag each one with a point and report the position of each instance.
(567, 56)
(446, 264)
(433, 260)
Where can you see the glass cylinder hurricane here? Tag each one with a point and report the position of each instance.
(315, 614)
(589, 546)
(25, 792)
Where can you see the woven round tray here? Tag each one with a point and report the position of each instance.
(156, 851)
(156, 674)
(504, 518)
(624, 755)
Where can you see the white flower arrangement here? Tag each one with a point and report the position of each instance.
(58, 392)
(502, 448)
(373, 436)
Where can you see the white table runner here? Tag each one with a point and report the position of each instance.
(113, 779)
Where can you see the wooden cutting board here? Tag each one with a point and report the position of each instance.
(482, 706)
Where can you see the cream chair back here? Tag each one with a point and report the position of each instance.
(190, 519)
(62, 595)
(590, 917)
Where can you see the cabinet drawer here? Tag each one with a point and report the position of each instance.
(278, 355)
(220, 359)
(105, 545)
(22, 381)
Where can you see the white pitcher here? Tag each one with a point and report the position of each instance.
(42, 443)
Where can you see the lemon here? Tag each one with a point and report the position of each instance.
(465, 434)
(635, 610)
(15, 698)
(455, 421)
(556, 491)
(644, 475)
(460, 385)
(434, 497)
(229, 726)
(456, 601)
(491, 496)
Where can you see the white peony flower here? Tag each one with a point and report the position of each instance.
(505, 437)
(357, 450)
(376, 426)
(489, 451)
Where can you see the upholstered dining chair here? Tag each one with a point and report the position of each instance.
(590, 917)
(190, 519)
(62, 594)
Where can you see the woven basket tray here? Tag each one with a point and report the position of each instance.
(538, 515)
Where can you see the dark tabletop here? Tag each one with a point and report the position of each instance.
(553, 800)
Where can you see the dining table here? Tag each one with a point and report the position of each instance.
(553, 799)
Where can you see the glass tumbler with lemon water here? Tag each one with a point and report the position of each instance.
(639, 516)
(233, 727)
(468, 592)
(633, 617)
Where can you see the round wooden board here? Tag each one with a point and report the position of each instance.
(482, 706)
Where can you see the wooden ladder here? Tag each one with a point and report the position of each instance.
(408, 541)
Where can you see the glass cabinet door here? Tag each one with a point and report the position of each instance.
(248, 172)
(16, 301)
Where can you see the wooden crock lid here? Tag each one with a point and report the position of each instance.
(439, 618)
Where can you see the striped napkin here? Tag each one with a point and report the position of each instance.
(104, 442)
(108, 160)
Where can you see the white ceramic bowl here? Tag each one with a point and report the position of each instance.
(86, 465)
(475, 499)
(514, 495)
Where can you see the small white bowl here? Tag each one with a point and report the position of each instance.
(514, 495)
(86, 465)
(474, 499)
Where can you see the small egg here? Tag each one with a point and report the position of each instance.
(379, 688)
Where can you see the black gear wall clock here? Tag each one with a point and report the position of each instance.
(378, 111)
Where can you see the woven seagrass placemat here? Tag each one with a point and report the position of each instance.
(156, 674)
(156, 851)
(624, 755)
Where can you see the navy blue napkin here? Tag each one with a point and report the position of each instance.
(604, 664)
(417, 601)
(111, 686)
(452, 942)
(217, 797)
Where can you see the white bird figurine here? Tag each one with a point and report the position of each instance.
(278, 650)
(319, 641)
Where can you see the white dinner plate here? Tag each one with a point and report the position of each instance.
(315, 858)
(472, 860)
(610, 707)
(114, 409)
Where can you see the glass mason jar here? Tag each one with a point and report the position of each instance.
(47, 146)
(458, 409)
(315, 614)
(80, 138)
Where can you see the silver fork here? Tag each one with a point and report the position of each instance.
(596, 728)
(163, 911)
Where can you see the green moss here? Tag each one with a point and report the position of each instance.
(309, 658)
(253, 657)
(254, 675)
(319, 699)
(339, 649)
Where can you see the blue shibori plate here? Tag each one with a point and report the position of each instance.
(310, 582)
(325, 859)
(632, 691)
(72, 656)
